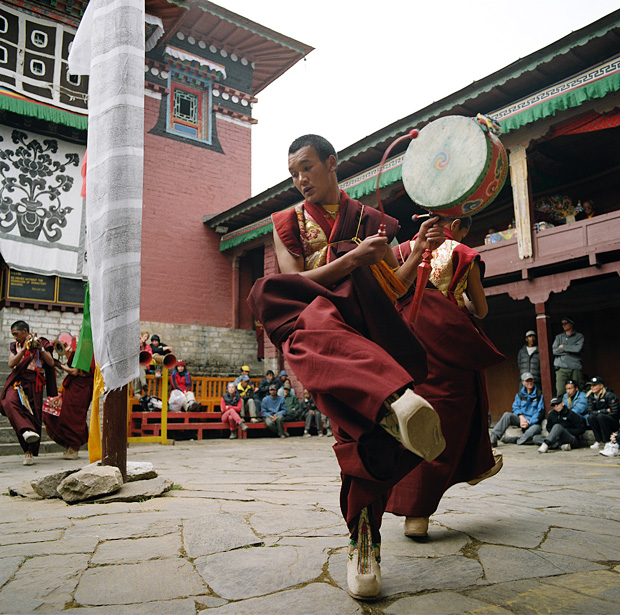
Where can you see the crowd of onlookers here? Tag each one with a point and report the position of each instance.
(573, 411)
(272, 400)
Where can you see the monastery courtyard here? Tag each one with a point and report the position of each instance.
(253, 526)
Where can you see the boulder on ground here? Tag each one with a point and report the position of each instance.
(90, 482)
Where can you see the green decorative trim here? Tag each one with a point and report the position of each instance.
(368, 186)
(560, 102)
(43, 112)
(262, 227)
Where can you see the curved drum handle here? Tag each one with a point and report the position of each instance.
(412, 134)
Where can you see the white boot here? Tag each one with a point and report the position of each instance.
(416, 425)
(544, 447)
(363, 570)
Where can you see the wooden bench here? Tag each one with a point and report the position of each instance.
(207, 391)
(149, 423)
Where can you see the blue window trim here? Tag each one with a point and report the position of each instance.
(207, 107)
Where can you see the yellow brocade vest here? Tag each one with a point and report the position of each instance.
(443, 271)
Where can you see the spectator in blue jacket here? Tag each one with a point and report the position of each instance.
(575, 400)
(273, 410)
(528, 411)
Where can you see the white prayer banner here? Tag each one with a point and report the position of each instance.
(109, 44)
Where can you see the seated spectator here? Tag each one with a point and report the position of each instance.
(231, 405)
(273, 410)
(245, 371)
(287, 381)
(262, 390)
(282, 376)
(292, 404)
(528, 358)
(564, 427)
(576, 400)
(603, 412)
(588, 210)
(246, 391)
(611, 448)
(159, 347)
(528, 410)
(309, 412)
(181, 381)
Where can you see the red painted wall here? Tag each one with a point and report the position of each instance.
(185, 278)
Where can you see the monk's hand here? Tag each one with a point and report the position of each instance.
(371, 251)
(430, 235)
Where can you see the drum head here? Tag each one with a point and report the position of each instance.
(446, 163)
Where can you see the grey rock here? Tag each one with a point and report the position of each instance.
(246, 573)
(46, 486)
(217, 532)
(315, 599)
(89, 483)
(601, 584)
(24, 490)
(137, 491)
(150, 581)
(52, 547)
(140, 470)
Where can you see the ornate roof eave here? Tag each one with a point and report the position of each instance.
(597, 41)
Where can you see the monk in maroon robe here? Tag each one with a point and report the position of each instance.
(344, 340)
(21, 401)
(457, 353)
(69, 428)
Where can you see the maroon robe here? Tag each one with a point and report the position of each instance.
(32, 383)
(69, 428)
(457, 353)
(350, 348)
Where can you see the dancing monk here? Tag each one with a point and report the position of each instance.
(457, 353)
(330, 313)
(21, 401)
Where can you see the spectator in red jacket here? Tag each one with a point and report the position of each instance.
(231, 406)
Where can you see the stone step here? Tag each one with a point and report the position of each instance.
(13, 448)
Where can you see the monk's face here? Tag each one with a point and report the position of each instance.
(20, 335)
(316, 180)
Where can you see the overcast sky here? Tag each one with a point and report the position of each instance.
(376, 62)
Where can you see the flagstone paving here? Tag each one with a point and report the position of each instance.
(253, 527)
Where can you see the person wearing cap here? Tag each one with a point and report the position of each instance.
(576, 400)
(273, 410)
(292, 403)
(246, 391)
(564, 427)
(603, 412)
(181, 381)
(528, 410)
(528, 358)
(245, 371)
(567, 348)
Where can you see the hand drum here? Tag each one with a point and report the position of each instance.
(455, 168)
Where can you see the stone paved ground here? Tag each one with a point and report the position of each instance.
(256, 529)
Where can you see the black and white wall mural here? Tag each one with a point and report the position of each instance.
(42, 214)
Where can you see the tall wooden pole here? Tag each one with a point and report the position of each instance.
(114, 445)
